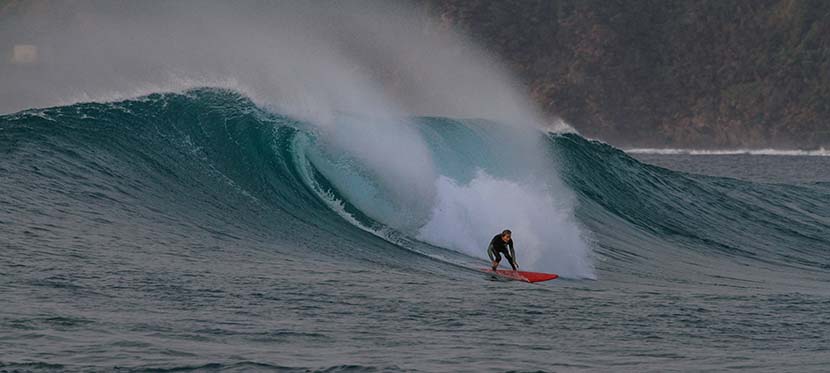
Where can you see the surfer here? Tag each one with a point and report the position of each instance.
(499, 245)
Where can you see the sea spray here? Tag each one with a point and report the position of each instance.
(467, 216)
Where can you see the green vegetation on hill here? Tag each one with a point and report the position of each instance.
(716, 74)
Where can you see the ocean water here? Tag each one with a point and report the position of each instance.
(199, 232)
(768, 167)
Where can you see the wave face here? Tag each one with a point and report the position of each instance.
(198, 231)
(213, 159)
(645, 211)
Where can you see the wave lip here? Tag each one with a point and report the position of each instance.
(821, 152)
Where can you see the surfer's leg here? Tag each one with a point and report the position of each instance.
(510, 260)
(495, 258)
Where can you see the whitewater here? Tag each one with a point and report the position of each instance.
(215, 193)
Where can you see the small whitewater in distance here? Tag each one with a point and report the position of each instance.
(821, 152)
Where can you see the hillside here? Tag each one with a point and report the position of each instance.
(709, 74)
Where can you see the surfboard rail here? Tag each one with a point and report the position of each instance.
(522, 275)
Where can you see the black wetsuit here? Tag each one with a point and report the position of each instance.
(498, 246)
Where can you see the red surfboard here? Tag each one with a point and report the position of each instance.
(522, 275)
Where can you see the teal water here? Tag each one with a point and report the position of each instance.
(197, 231)
(761, 168)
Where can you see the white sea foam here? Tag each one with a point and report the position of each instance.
(466, 217)
(821, 152)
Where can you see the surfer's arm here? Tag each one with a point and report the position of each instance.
(513, 253)
(490, 252)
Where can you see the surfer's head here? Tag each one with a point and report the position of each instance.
(505, 235)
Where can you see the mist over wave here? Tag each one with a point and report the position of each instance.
(310, 60)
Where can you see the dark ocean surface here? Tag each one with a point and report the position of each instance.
(199, 232)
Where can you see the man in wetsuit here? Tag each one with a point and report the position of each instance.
(499, 245)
